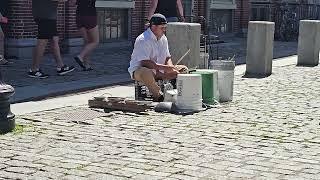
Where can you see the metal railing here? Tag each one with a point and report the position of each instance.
(286, 16)
(209, 44)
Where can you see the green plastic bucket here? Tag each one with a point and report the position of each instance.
(209, 94)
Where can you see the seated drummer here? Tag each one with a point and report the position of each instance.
(151, 59)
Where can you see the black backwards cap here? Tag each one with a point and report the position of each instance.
(158, 19)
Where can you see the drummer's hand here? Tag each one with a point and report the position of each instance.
(172, 75)
(170, 69)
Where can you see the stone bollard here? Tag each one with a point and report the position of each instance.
(7, 122)
(184, 36)
(260, 48)
(309, 43)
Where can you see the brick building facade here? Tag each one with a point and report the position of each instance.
(120, 21)
(114, 19)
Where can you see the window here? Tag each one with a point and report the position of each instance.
(260, 13)
(127, 4)
(113, 24)
(221, 21)
(222, 1)
(223, 4)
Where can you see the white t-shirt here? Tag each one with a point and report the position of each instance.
(147, 47)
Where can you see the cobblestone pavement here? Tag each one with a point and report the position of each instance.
(270, 131)
(115, 61)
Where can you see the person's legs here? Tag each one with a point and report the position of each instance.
(85, 36)
(89, 30)
(56, 51)
(3, 61)
(44, 34)
(62, 69)
(1, 42)
(92, 40)
(146, 76)
(38, 52)
(47, 29)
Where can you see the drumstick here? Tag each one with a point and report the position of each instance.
(183, 57)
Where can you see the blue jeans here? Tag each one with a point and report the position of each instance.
(172, 19)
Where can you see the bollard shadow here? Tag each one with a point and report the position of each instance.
(256, 76)
(307, 65)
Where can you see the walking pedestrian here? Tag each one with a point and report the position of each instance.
(86, 18)
(3, 20)
(171, 9)
(45, 16)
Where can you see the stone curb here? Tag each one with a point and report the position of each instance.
(32, 93)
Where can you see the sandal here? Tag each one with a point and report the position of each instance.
(87, 69)
(81, 63)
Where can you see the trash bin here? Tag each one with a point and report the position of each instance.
(225, 70)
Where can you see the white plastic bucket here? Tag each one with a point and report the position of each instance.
(225, 78)
(171, 96)
(189, 105)
(189, 87)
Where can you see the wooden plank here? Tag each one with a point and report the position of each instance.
(122, 106)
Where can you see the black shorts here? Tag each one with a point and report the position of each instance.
(47, 28)
(87, 22)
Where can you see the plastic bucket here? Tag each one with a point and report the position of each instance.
(189, 92)
(209, 85)
(225, 78)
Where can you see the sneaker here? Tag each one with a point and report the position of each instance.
(37, 74)
(3, 61)
(64, 70)
(88, 69)
(80, 62)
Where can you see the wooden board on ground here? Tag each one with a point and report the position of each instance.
(122, 104)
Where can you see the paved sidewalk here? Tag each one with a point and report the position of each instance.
(110, 67)
(270, 131)
(111, 62)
